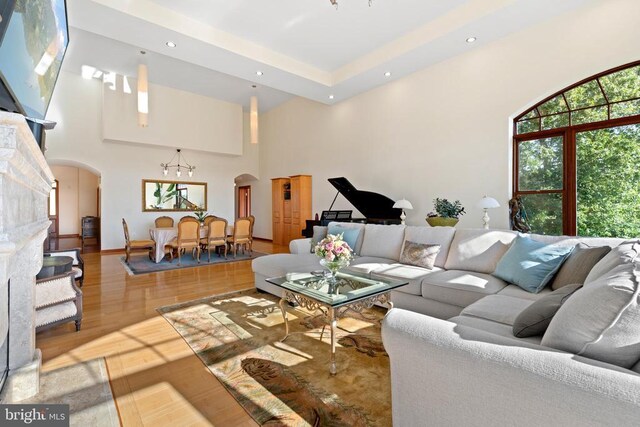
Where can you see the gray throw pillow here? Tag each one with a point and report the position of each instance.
(419, 254)
(535, 319)
(601, 320)
(319, 233)
(577, 267)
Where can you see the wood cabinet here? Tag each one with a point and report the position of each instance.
(291, 207)
(90, 229)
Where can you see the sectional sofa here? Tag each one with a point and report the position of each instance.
(454, 357)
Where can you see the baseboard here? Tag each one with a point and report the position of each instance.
(111, 251)
(263, 239)
(69, 236)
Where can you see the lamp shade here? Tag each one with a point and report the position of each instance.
(488, 203)
(403, 204)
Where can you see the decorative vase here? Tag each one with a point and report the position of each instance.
(439, 221)
(333, 267)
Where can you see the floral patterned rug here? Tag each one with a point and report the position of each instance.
(237, 336)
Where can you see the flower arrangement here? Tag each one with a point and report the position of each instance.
(200, 215)
(333, 249)
(446, 209)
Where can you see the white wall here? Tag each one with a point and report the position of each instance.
(211, 125)
(68, 220)
(444, 131)
(77, 107)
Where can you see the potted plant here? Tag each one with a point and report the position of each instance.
(201, 215)
(446, 213)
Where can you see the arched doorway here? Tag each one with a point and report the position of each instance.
(78, 206)
(243, 199)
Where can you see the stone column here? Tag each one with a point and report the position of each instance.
(25, 183)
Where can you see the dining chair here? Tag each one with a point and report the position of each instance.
(164, 222)
(216, 236)
(208, 219)
(189, 218)
(252, 220)
(132, 245)
(188, 238)
(241, 230)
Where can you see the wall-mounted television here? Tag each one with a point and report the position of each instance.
(35, 40)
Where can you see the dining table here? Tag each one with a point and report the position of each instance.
(164, 235)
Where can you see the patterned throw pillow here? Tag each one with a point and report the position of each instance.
(419, 254)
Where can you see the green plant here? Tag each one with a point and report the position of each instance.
(163, 197)
(446, 209)
(201, 215)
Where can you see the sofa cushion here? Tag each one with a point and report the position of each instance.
(367, 264)
(384, 241)
(280, 264)
(530, 264)
(518, 292)
(498, 308)
(459, 287)
(339, 227)
(602, 320)
(442, 236)
(419, 254)
(478, 249)
(621, 254)
(319, 233)
(578, 265)
(490, 326)
(413, 274)
(535, 319)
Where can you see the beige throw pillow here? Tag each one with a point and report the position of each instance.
(577, 267)
(419, 254)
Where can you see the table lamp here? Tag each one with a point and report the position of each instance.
(403, 204)
(487, 203)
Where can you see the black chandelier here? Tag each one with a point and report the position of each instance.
(335, 3)
(178, 166)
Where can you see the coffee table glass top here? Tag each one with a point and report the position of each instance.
(349, 287)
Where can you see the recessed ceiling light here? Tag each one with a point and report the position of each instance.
(471, 39)
(387, 74)
(330, 96)
(259, 73)
(171, 44)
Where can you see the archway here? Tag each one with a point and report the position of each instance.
(76, 219)
(242, 194)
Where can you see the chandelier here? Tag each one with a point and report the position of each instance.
(335, 3)
(178, 166)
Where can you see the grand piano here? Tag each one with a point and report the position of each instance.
(377, 208)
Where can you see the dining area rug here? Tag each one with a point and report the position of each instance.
(237, 336)
(141, 264)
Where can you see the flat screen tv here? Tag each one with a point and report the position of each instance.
(35, 40)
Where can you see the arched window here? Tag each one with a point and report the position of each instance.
(577, 157)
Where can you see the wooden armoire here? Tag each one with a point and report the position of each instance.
(291, 207)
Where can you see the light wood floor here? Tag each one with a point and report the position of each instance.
(155, 377)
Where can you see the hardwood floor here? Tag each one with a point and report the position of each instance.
(156, 379)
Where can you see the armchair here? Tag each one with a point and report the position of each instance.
(58, 300)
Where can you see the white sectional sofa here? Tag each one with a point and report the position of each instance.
(454, 358)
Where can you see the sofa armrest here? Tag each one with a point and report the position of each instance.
(300, 246)
(445, 374)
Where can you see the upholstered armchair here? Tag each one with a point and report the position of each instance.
(78, 263)
(58, 300)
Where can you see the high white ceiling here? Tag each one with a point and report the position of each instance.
(304, 47)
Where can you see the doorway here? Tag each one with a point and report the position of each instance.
(244, 201)
(51, 243)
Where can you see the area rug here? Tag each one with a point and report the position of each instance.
(288, 383)
(85, 388)
(141, 264)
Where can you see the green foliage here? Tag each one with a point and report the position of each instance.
(200, 214)
(446, 209)
(163, 197)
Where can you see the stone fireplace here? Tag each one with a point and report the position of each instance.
(25, 183)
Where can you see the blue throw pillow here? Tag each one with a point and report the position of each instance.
(530, 264)
(349, 235)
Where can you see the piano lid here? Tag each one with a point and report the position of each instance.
(370, 204)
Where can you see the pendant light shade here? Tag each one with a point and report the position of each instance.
(253, 119)
(143, 96)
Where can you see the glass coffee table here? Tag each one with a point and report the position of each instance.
(349, 292)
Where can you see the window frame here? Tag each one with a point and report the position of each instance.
(568, 133)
